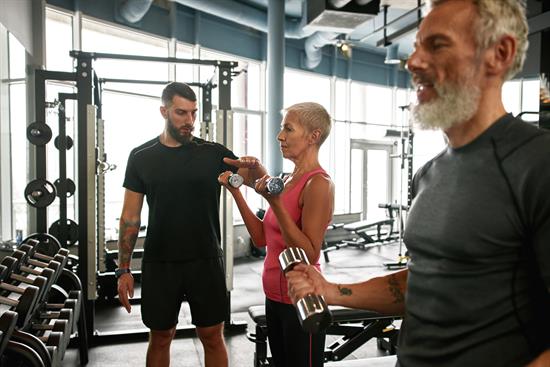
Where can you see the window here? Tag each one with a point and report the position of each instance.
(318, 90)
(247, 140)
(18, 137)
(100, 37)
(59, 41)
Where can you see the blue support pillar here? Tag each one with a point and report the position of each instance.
(275, 84)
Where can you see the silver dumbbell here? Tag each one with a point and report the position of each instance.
(313, 312)
(274, 185)
(235, 180)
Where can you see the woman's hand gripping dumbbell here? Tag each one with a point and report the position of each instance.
(273, 185)
(313, 312)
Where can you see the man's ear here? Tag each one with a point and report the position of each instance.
(164, 112)
(501, 55)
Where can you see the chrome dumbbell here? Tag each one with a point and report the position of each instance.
(274, 185)
(235, 180)
(313, 312)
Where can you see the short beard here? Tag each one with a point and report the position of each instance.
(454, 104)
(174, 133)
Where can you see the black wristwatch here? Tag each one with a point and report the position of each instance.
(120, 271)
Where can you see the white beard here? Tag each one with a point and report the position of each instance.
(454, 104)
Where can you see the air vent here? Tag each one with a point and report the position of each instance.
(322, 16)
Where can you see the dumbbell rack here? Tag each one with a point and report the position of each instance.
(41, 306)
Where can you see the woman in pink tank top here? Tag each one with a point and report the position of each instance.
(298, 217)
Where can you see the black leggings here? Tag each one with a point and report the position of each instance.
(290, 346)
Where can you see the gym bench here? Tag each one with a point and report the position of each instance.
(355, 327)
(360, 234)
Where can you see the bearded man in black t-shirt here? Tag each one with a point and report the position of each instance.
(178, 173)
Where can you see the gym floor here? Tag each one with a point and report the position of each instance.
(346, 265)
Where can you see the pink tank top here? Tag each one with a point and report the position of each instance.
(274, 281)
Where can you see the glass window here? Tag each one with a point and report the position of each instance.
(378, 105)
(184, 72)
(16, 58)
(59, 41)
(341, 172)
(125, 129)
(357, 102)
(317, 90)
(100, 37)
(19, 156)
(247, 140)
(356, 184)
(530, 101)
(341, 100)
(254, 85)
(511, 96)
(377, 182)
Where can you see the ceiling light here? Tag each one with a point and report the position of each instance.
(345, 48)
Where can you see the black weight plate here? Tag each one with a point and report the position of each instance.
(47, 244)
(72, 231)
(68, 142)
(39, 133)
(69, 187)
(40, 193)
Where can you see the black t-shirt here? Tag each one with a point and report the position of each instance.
(182, 191)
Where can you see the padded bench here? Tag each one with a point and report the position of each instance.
(355, 327)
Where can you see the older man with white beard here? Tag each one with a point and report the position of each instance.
(478, 232)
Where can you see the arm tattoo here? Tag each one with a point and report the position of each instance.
(344, 291)
(398, 295)
(127, 237)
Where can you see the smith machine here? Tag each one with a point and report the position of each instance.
(89, 233)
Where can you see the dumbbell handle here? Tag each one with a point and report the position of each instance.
(313, 311)
(8, 301)
(12, 288)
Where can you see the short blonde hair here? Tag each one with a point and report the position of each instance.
(312, 116)
(497, 18)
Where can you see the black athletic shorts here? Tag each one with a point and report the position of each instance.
(165, 285)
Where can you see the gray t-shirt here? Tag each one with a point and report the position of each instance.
(468, 301)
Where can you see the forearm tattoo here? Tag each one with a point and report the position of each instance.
(127, 238)
(395, 290)
(344, 291)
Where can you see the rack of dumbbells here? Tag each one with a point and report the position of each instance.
(63, 232)
(40, 305)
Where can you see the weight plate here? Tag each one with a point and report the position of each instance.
(68, 142)
(40, 193)
(68, 188)
(71, 231)
(47, 244)
(39, 133)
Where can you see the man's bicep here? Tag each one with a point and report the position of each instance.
(133, 202)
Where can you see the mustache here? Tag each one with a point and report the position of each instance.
(188, 127)
(418, 79)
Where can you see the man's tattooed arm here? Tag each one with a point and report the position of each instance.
(127, 238)
(344, 291)
(395, 290)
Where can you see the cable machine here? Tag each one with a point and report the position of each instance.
(89, 186)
